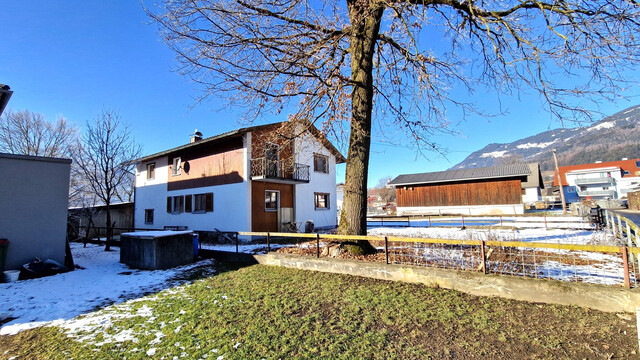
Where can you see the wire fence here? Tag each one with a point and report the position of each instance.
(600, 264)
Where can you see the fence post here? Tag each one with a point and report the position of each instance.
(483, 257)
(236, 242)
(429, 221)
(613, 225)
(619, 225)
(625, 260)
(462, 220)
(268, 242)
(500, 220)
(545, 221)
(318, 245)
(386, 248)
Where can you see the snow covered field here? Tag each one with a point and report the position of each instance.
(104, 281)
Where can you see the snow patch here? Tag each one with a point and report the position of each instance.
(604, 125)
(494, 154)
(535, 145)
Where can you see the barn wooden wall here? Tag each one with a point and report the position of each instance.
(461, 193)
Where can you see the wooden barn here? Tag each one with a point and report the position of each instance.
(479, 191)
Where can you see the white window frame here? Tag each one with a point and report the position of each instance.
(327, 199)
(177, 166)
(277, 192)
(151, 175)
(326, 163)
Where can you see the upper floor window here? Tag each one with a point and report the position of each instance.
(151, 171)
(320, 163)
(175, 169)
(637, 163)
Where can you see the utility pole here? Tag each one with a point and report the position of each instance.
(564, 204)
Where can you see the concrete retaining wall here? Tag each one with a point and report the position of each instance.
(599, 297)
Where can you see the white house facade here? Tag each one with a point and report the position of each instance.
(600, 180)
(250, 179)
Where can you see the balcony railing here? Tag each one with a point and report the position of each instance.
(599, 193)
(595, 180)
(279, 170)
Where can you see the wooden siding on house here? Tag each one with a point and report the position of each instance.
(218, 164)
(262, 220)
(487, 192)
(273, 135)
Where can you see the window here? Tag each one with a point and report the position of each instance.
(637, 163)
(271, 155)
(270, 200)
(321, 200)
(625, 173)
(151, 171)
(148, 216)
(175, 169)
(175, 204)
(203, 203)
(320, 163)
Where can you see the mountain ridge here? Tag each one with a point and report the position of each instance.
(614, 137)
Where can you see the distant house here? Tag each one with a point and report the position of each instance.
(251, 179)
(600, 180)
(478, 191)
(34, 193)
(121, 215)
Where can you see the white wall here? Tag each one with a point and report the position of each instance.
(508, 209)
(305, 147)
(531, 195)
(34, 195)
(229, 203)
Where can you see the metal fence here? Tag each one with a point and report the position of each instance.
(542, 221)
(602, 264)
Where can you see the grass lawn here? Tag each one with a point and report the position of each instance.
(277, 313)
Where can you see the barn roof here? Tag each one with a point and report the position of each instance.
(503, 171)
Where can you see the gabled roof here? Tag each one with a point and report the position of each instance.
(629, 165)
(239, 132)
(493, 172)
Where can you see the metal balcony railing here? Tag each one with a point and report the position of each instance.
(595, 180)
(263, 168)
(599, 193)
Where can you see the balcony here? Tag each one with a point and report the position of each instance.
(280, 171)
(611, 194)
(595, 180)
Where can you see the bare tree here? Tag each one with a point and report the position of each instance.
(386, 193)
(29, 133)
(105, 159)
(330, 62)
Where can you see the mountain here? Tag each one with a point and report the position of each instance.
(612, 138)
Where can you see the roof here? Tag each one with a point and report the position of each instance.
(240, 132)
(493, 172)
(35, 158)
(629, 165)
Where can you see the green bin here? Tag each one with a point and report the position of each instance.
(4, 245)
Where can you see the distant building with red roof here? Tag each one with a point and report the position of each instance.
(599, 180)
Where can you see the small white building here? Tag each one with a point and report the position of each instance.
(251, 179)
(34, 195)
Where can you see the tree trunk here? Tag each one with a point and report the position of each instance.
(109, 227)
(365, 19)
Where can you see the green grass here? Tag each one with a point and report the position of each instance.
(277, 313)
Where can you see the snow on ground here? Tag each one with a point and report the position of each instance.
(104, 281)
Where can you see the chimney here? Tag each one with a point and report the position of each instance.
(598, 161)
(196, 136)
(624, 159)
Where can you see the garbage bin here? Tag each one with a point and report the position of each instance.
(4, 246)
(196, 245)
(308, 226)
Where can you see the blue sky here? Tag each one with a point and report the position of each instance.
(75, 58)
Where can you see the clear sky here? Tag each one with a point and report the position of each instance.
(74, 58)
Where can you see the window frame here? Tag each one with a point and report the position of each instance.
(277, 201)
(146, 216)
(176, 167)
(180, 200)
(326, 163)
(327, 201)
(201, 199)
(151, 174)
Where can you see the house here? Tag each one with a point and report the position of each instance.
(599, 180)
(34, 194)
(479, 191)
(250, 179)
